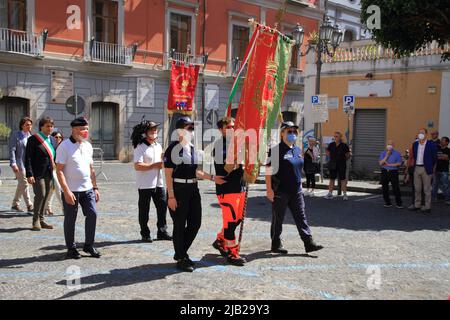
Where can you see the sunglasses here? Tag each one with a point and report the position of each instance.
(292, 131)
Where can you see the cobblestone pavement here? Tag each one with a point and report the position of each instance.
(370, 252)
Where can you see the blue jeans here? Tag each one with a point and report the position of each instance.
(440, 181)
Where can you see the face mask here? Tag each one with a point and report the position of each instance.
(291, 138)
(84, 135)
(153, 136)
(421, 136)
(390, 148)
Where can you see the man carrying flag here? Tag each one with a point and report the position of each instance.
(39, 166)
(231, 195)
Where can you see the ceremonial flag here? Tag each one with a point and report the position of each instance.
(262, 94)
(183, 82)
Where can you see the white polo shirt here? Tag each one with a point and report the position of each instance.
(77, 159)
(149, 154)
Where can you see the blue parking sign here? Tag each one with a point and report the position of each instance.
(349, 100)
(315, 99)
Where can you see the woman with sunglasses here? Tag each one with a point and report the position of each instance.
(55, 187)
(284, 189)
(184, 202)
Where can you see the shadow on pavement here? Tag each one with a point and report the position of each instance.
(14, 230)
(97, 245)
(53, 257)
(134, 275)
(269, 255)
(359, 215)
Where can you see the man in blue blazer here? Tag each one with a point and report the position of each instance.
(425, 159)
(17, 146)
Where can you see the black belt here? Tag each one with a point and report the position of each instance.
(420, 165)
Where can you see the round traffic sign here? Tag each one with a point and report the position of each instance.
(75, 107)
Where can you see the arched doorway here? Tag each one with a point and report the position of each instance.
(12, 110)
(349, 36)
(104, 128)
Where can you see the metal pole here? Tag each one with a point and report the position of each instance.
(76, 105)
(318, 127)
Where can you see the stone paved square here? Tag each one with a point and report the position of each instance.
(370, 252)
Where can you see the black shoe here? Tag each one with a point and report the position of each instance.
(184, 265)
(147, 239)
(216, 245)
(164, 236)
(279, 249)
(190, 262)
(311, 246)
(92, 251)
(73, 254)
(236, 261)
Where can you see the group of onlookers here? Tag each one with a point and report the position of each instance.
(427, 169)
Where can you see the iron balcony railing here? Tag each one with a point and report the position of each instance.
(110, 53)
(234, 66)
(296, 77)
(22, 42)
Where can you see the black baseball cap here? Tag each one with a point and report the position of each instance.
(288, 125)
(183, 122)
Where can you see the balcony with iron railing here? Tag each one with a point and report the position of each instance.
(367, 50)
(296, 77)
(110, 53)
(186, 58)
(234, 66)
(22, 42)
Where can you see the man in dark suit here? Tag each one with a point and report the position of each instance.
(39, 165)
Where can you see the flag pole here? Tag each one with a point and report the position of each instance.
(244, 211)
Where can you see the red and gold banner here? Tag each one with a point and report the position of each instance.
(183, 83)
(257, 100)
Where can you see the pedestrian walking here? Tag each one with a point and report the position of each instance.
(76, 175)
(55, 188)
(39, 166)
(17, 148)
(148, 165)
(284, 189)
(184, 201)
(231, 195)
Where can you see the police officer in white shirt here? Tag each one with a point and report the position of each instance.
(149, 178)
(76, 175)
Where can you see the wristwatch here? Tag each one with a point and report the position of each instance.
(213, 177)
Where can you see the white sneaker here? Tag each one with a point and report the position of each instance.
(311, 194)
(345, 197)
(329, 196)
(306, 193)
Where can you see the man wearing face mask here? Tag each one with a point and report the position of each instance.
(185, 207)
(76, 175)
(425, 159)
(390, 162)
(284, 189)
(149, 179)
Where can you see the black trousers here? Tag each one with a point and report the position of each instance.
(296, 204)
(390, 177)
(310, 180)
(160, 201)
(86, 200)
(187, 218)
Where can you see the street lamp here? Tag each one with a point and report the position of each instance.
(328, 36)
